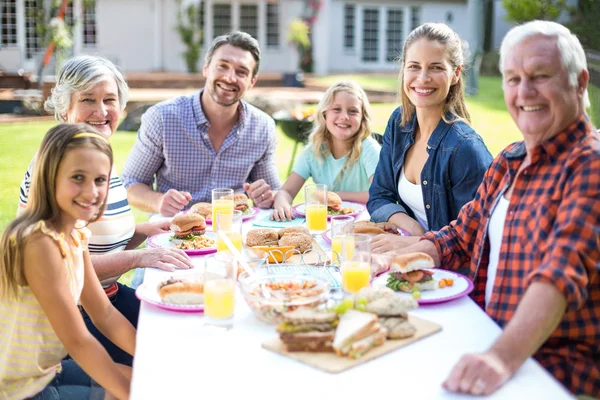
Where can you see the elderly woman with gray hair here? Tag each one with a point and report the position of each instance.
(92, 90)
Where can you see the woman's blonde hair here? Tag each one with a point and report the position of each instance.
(455, 101)
(320, 137)
(42, 204)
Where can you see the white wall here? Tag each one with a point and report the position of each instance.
(10, 58)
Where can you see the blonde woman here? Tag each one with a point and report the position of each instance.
(340, 152)
(432, 161)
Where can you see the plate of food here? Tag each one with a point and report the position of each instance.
(371, 228)
(241, 202)
(188, 232)
(174, 294)
(413, 275)
(335, 206)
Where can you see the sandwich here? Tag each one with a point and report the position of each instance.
(408, 273)
(241, 203)
(186, 226)
(306, 329)
(262, 237)
(181, 292)
(204, 209)
(301, 241)
(393, 315)
(334, 203)
(375, 228)
(357, 332)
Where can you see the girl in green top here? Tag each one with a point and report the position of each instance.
(341, 152)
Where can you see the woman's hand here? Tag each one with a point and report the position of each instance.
(388, 242)
(165, 258)
(153, 228)
(283, 213)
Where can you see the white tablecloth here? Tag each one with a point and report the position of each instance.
(178, 358)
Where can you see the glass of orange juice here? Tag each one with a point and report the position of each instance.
(220, 273)
(315, 207)
(222, 199)
(340, 225)
(229, 222)
(356, 262)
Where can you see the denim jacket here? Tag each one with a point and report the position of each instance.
(457, 161)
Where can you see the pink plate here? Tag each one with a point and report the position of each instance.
(149, 294)
(164, 240)
(462, 286)
(245, 217)
(357, 207)
(327, 234)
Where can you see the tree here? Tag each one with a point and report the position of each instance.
(584, 23)
(190, 33)
(520, 11)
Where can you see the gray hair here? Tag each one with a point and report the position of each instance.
(238, 39)
(81, 73)
(571, 52)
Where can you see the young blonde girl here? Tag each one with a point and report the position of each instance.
(45, 271)
(341, 152)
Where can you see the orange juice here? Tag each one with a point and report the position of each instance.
(218, 205)
(355, 275)
(219, 296)
(316, 217)
(235, 238)
(336, 248)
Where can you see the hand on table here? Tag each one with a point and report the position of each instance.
(165, 258)
(260, 192)
(388, 242)
(283, 213)
(478, 374)
(173, 201)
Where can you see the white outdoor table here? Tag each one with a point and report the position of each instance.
(178, 358)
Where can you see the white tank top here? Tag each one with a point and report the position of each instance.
(412, 196)
(495, 232)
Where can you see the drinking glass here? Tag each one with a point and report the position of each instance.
(356, 262)
(222, 199)
(340, 225)
(220, 274)
(315, 207)
(229, 222)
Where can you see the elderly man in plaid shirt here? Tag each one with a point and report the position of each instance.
(531, 236)
(212, 139)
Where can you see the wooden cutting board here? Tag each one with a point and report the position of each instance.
(331, 363)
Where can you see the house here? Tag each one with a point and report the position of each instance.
(139, 35)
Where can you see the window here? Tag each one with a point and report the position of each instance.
(8, 23)
(394, 34)
(221, 19)
(370, 34)
(32, 41)
(349, 13)
(272, 25)
(415, 18)
(249, 19)
(89, 25)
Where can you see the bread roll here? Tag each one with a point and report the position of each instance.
(262, 237)
(412, 262)
(292, 229)
(204, 209)
(181, 292)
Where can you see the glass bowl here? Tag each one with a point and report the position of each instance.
(271, 294)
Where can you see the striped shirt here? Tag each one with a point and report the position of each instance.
(31, 351)
(551, 235)
(173, 150)
(113, 231)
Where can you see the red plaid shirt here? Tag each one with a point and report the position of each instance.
(551, 235)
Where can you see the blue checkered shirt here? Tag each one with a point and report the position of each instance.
(173, 150)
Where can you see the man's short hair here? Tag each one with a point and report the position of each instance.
(237, 39)
(571, 52)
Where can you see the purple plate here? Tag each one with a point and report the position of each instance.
(357, 207)
(149, 294)
(462, 286)
(164, 240)
(327, 234)
(245, 217)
